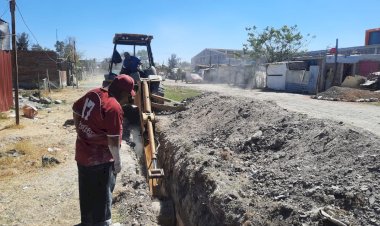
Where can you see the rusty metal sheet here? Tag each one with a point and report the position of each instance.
(6, 96)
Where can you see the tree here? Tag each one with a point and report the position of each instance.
(70, 52)
(36, 47)
(173, 61)
(47, 49)
(275, 45)
(143, 56)
(104, 65)
(22, 41)
(59, 48)
(185, 64)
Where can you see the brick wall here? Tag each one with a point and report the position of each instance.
(34, 63)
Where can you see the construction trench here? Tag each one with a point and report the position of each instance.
(238, 161)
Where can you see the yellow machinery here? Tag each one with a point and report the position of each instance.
(143, 100)
(146, 102)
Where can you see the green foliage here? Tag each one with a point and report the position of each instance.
(69, 51)
(275, 45)
(179, 94)
(36, 47)
(22, 41)
(59, 48)
(173, 61)
(184, 64)
(162, 68)
(143, 56)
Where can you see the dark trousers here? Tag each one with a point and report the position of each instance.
(96, 184)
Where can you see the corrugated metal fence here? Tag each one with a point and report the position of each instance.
(6, 95)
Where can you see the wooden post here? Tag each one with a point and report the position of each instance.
(12, 6)
(48, 79)
(38, 84)
(60, 79)
(75, 65)
(210, 58)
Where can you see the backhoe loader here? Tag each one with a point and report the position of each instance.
(149, 98)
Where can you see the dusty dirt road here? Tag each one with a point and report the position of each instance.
(362, 115)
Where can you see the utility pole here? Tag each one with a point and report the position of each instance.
(209, 58)
(336, 62)
(75, 65)
(12, 6)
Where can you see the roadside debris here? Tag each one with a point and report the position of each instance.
(49, 160)
(29, 111)
(373, 81)
(353, 81)
(331, 219)
(12, 153)
(337, 93)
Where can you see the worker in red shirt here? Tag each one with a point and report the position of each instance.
(98, 119)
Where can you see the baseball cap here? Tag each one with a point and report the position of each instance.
(123, 83)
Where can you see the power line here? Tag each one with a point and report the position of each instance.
(5, 11)
(22, 17)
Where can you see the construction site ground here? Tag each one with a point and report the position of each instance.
(235, 157)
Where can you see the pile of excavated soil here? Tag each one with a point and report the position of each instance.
(337, 93)
(238, 161)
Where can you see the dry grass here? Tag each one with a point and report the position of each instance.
(374, 103)
(34, 137)
(14, 126)
(3, 115)
(28, 159)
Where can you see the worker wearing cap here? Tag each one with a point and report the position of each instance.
(98, 119)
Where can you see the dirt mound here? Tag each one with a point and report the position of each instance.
(337, 93)
(237, 161)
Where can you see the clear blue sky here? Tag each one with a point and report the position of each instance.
(186, 27)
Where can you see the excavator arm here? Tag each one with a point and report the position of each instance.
(143, 100)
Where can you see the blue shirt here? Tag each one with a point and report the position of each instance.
(131, 64)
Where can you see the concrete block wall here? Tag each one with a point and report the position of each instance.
(34, 64)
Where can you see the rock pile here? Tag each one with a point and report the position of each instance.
(337, 93)
(236, 161)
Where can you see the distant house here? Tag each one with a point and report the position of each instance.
(5, 41)
(349, 62)
(292, 76)
(320, 73)
(219, 56)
